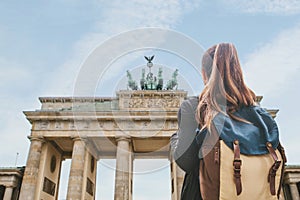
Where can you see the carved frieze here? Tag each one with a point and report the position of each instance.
(71, 125)
(151, 103)
(125, 123)
(58, 125)
(150, 100)
(43, 125)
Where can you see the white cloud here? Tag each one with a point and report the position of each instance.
(272, 65)
(14, 128)
(16, 80)
(11, 72)
(118, 16)
(121, 15)
(281, 7)
(273, 71)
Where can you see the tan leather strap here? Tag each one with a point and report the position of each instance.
(237, 167)
(284, 160)
(272, 151)
(273, 169)
(282, 152)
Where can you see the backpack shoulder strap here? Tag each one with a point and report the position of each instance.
(284, 159)
(273, 169)
(237, 162)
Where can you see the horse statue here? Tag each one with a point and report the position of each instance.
(160, 80)
(131, 83)
(150, 82)
(143, 80)
(171, 84)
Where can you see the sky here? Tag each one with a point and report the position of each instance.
(45, 45)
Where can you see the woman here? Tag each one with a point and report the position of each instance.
(225, 110)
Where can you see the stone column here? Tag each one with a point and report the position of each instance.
(123, 186)
(8, 193)
(30, 178)
(75, 189)
(173, 180)
(294, 191)
(179, 179)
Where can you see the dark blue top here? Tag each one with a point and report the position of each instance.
(252, 136)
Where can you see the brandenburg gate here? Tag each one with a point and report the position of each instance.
(135, 124)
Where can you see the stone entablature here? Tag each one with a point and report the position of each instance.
(73, 103)
(10, 177)
(292, 174)
(126, 99)
(93, 116)
(153, 100)
(62, 118)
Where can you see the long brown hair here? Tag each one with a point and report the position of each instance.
(225, 90)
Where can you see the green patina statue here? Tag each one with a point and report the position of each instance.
(131, 83)
(143, 80)
(160, 80)
(151, 82)
(173, 84)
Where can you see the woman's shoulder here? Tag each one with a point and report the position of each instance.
(190, 103)
(254, 109)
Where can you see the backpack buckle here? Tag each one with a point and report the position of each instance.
(237, 162)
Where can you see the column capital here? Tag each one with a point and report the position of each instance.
(10, 186)
(76, 138)
(123, 138)
(36, 138)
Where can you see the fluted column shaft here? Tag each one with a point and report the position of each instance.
(294, 191)
(123, 169)
(75, 189)
(8, 193)
(30, 178)
(180, 178)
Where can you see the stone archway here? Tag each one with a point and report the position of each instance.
(133, 125)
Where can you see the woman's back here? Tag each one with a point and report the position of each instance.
(226, 114)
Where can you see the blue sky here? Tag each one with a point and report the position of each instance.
(43, 45)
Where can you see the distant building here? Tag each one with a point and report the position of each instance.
(291, 182)
(10, 182)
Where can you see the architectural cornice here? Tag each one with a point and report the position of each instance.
(106, 116)
(74, 99)
(151, 93)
